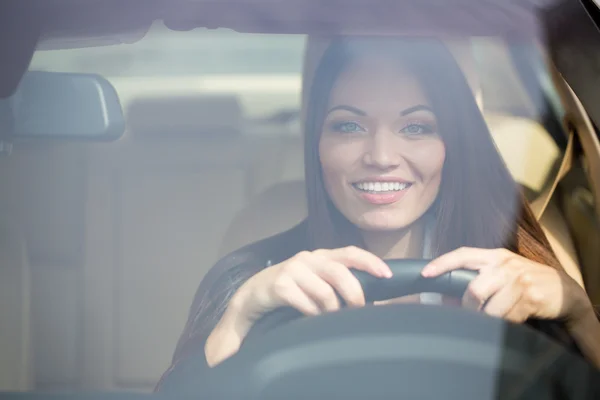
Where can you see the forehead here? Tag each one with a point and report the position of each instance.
(380, 82)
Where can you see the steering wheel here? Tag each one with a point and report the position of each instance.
(395, 351)
(406, 280)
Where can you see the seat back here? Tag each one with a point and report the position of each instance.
(159, 202)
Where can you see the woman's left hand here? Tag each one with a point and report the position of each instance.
(513, 287)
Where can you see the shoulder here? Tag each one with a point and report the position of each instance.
(230, 272)
(252, 258)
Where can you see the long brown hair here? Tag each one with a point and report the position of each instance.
(479, 203)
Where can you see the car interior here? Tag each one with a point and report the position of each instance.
(103, 244)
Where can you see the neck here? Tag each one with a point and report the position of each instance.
(405, 243)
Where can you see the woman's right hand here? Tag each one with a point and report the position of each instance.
(308, 282)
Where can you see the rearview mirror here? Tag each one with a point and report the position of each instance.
(56, 105)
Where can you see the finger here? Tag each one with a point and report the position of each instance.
(355, 257)
(318, 290)
(508, 302)
(531, 301)
(519, 313)
(342, 280)
(466, 257)
(290, 294)
(484, 286)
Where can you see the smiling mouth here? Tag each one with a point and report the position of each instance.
(381, 187)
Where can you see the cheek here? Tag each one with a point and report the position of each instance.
(428, 159)
(337, 160)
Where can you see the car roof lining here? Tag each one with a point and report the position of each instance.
(75, 23)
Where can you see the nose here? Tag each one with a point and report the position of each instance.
(383, 152)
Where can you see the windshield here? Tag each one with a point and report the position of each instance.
(406, 147)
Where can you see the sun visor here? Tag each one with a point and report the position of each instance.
(212, 116)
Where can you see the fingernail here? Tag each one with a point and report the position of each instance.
(387, 273)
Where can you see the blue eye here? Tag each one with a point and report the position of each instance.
(347, 127)
(417, 129)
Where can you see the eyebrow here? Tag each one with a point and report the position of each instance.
(353, 110)
(420, 107)
(357, 111)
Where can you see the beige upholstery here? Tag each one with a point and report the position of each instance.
(557, 232)
(275, 210)
(159, 203)
(214, 116)
(15, 340)
(526, 147)
(530, 154)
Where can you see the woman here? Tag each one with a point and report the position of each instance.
(399, 164)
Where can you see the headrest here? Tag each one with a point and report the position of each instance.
(203, 115)
(459, 47)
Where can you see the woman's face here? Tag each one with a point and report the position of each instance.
(380, 150)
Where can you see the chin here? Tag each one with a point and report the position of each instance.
(383, 221)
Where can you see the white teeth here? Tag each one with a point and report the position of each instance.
(381, 186)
